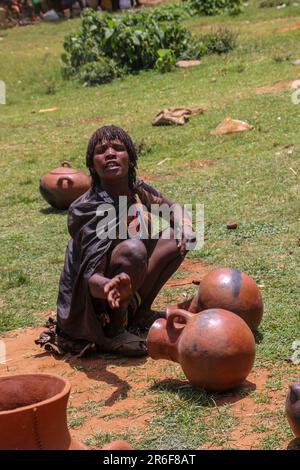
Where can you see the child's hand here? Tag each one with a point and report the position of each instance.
(118, 290)
(188, 236)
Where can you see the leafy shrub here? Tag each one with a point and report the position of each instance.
(96, 73)
(283, 57)
(220, 41)
(173, 11)
(209, 7)
(194, 50)
(214, 7)
(235, 8)
(166, 60)
(106, 46)
(130, 40)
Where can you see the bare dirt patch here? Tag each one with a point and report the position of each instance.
(104, 389)
(277, 87)
(289, 27)
(194, 271)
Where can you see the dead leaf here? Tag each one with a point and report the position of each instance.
(49, 110)
(163, 161)
(229, 126)
(177, 116)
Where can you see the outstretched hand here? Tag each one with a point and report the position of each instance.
(118, 290)
(188, 237)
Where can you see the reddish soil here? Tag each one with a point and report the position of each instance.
(276, 87)
(111, 394)
(289, 27)
(108, 381)
(194, 272)
(120, 388)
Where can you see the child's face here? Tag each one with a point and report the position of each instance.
(111, 160)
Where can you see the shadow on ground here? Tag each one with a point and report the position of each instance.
(95, 368)
(52, 210)
(201, 397)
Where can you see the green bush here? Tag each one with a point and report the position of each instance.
(166, 60)
(220, 41)
(173, 11)
(130, 40)
(96, 73)
(235, 9)
(106, 46)
(215, 7)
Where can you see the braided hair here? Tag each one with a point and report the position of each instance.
(109, 134)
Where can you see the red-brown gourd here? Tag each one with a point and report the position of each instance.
(232, 290)
(215, 348)
(61, 186)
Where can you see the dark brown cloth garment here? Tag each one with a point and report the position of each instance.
(78, 315)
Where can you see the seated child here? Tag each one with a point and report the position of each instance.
(109, 283)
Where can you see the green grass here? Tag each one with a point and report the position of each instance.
(77, 422)
(185, 418)
(99, 439)
(272, 439)
(251, 182)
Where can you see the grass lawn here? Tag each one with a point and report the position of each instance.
(254, 179)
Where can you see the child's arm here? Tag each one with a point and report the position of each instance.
(178, 218)
(182, 225)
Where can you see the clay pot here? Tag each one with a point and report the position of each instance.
(63, 185)
(231, 290)
(215, 348)
(292, 407)
(33, 413)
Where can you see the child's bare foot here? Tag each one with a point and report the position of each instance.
(118, 291)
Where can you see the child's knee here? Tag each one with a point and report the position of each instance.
(132, 251)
